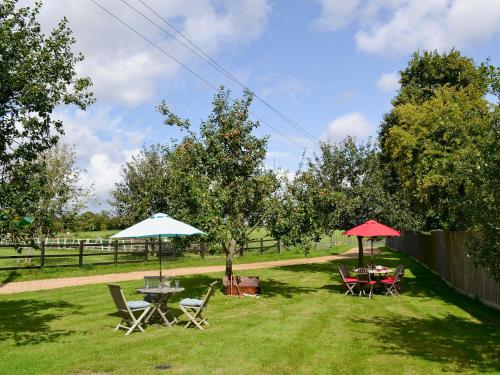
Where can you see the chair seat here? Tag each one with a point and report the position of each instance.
(387, 280)
(351, 280)
(137, 305)
(373, 282)
(191, 302)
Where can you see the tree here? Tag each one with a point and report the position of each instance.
(346, 185)
(59, 196)
(37, 74)
(217, 180)
(428, 71)
(440, 146)
(144, 188)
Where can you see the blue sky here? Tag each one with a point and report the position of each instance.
(329, 65)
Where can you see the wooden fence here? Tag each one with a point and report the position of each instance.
(444, 253)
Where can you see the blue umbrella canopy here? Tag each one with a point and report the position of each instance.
(158, 225)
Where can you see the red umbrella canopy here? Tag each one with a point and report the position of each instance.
(371, 228)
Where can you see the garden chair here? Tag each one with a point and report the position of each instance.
(128, 310)
(392, 284)
(365, 282)
(193, 308)
(349, 281)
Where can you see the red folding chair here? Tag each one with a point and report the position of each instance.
(349, 281)
(365, 282)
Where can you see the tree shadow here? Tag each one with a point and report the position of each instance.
(458, 344)
(272, 288)
(28, 321)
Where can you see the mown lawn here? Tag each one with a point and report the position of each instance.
(303, 324)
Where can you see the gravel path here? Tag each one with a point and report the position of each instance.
(30, 286)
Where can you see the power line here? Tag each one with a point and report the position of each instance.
(193, 47)
(188, 68)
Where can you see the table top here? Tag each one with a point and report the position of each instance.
(383, 270)
(164, 290)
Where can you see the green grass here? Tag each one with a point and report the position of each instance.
(303, 324)
(190, 260)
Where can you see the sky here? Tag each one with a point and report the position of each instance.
(331, 66)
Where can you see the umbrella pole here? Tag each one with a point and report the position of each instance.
(372, 249)
(159, 252)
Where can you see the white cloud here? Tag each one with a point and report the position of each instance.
(102, 146)
(125, 68)
(353, 124)
(336, 14)
(388, 82)
(406, 25)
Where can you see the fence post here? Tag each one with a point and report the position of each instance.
(80, 254)
(146, 250)
(42, 255)
(203, 249)
(261, 245)
(115, 245)
(279, 245)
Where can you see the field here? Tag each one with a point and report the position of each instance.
(302, 324)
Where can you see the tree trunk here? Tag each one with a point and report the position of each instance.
(230, 252)
(360, 251)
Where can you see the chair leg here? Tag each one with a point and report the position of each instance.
(137, 322)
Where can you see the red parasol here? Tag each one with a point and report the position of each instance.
(371, 228)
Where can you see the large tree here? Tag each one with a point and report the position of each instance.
(37, 74)
(217, 178)
(440, 147)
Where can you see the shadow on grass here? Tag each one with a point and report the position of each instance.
(11, 276)
(456, 343)
(28, 321)
(418, 282)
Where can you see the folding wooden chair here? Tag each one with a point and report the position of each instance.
(193, 308)
(349, 281)
(392, 284)
(127, 310)
(365, 282)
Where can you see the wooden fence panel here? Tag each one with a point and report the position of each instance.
(444, 252)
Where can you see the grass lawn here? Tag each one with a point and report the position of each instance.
(190, 260)
(303, 324)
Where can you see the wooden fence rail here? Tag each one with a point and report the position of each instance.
(444, 253)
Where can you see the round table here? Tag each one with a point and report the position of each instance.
(160, 303)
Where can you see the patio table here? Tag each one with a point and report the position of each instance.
(160, 303)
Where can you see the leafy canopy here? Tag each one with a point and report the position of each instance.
(37, 74)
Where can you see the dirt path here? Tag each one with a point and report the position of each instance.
(30, 286)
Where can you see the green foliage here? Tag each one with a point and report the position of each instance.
(341, 187)
(428, 71)
(217, 177)
(37, 74)
(144, 188)
(440, 148)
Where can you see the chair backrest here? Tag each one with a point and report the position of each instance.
(400, 269)
(118, 297)
(364, 274)
(344, 271)
(210, 291)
